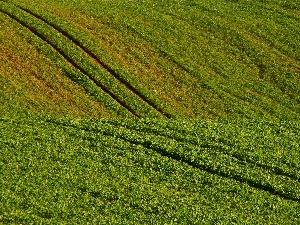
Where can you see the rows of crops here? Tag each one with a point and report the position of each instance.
(215, 82)
(232, 67)
(53, 170)
(30, 81)
(281, 178)
(82, 60)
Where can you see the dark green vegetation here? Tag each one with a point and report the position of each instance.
(216, 85)
(107, 171)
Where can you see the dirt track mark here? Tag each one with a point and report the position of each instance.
(98, 62)
(72, 63)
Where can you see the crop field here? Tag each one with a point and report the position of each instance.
(197, 59)
(150, 112)
(149, 171)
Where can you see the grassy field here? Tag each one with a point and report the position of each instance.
(150, 112)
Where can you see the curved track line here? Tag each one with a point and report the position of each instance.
(276, 170)
(71, 62)
(98, 61)
(264, 187)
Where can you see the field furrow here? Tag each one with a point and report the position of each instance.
(97, 61)
(78, 59)
(195, 137)
(53, 172)
(205, 159)
(71, 62)
(150, 112)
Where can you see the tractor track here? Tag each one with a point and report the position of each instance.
(97, 61)
(71, 62)
(177, 157)
(242, 158)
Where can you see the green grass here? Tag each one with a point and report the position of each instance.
(149, 112)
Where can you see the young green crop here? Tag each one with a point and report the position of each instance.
(86, 43)
(58, 171)
(213, 135)
(232, 60)
(215, 158)
(35, 78)
(204, 59)
(79, 60)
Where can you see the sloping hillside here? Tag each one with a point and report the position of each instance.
(201, 59)
(150, 112)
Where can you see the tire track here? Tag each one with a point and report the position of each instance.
(98, 62)
(71, 62)
(276, 170)
(174, 156)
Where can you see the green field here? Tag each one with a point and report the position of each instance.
(150, 112)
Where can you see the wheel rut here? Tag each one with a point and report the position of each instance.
(72, 62)
(97, 61)
(242, 158)
(177, 157)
